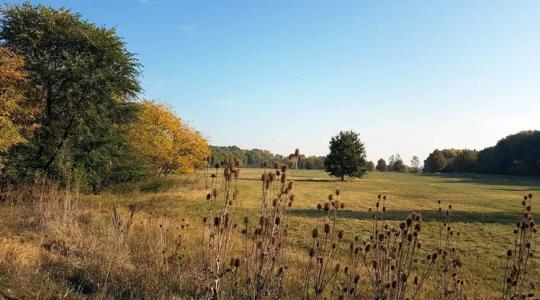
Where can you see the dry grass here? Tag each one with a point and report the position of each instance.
(148, 240)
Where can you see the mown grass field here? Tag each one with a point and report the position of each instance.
(485, 210)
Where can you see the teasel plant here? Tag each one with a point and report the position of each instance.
(324, 266)
(122, 225)
(519, 279)
(264, 242)
(391, 256)
(218, 230)
(447, 270)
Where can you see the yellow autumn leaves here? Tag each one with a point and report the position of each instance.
(165, 142)
(12, 80)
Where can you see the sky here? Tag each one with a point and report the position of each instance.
(408, 76)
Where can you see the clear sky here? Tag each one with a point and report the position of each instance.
(409, 76)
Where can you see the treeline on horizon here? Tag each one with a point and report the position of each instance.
(516, 154)
(256, 158)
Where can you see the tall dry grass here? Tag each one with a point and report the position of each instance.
(56, 244)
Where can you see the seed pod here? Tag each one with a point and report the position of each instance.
(326, 228)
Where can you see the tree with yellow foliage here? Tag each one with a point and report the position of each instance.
(166, 143)
(13, 87)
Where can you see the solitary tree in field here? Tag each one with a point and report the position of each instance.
(381, 165)
(347, 156)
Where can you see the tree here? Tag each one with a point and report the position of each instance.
(523, 147)
(165, 143)
(370, 166)
(415, 164)
(221, 154)
(465, 161)
(14, 109)
(395, 163)
(381, 165)
(399, 166)
(312, 163)
(347, 156)
(435, 162)
(83, 78)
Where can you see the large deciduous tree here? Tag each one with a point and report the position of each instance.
(83, 77)
(381, 165)
(166, 144)
(347, 156)
(435, 162)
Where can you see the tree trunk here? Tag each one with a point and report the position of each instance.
(342, 177)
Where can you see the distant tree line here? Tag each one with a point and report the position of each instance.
(396, 164)
(256, 158)
(517, 154)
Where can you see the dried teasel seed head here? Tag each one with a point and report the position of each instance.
(338, 192)
(327, 206)
(311, 252)
(340, 234)
(330, 197)
(319, 206)
(315, 233)
(409, 222)
(326, 228)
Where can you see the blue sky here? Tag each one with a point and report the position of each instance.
(409, 76)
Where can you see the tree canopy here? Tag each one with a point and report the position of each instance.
(83, 77)
(347, 156)
(166, 144)
(14, 111)
(381, 165)
(435, 162)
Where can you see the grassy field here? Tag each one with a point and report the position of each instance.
(485, 210)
